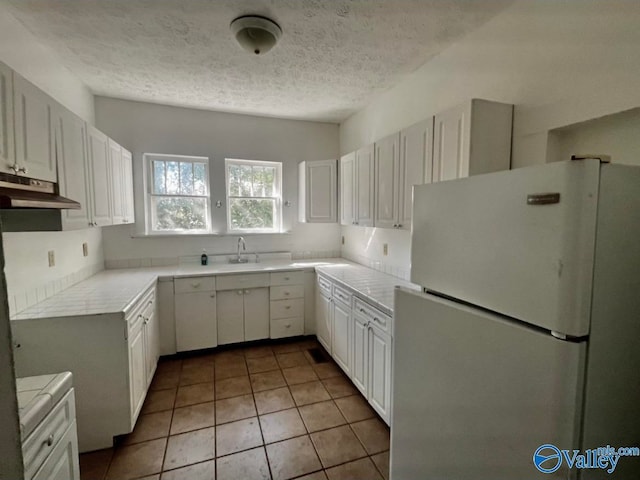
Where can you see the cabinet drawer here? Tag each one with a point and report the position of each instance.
(324, 285)
(194, 284)
(39, 445)
(137, 313)
(283, 293)
(341, 295)
(287, 278)
(287, 327)
(287, 308)
(233, 282)
(372, 314)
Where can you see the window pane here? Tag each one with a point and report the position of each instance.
(186, 178)
(199, 179)
(158, 176)
(240, 180)
(173, 182)
(251, 213)
(263, 181)
(180, 213)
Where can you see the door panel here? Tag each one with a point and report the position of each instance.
(360, 368)
(347, 189)
(451, 145)
(100, 177)
(323, 319)
(380, 374)
(137, 371)
(416, 164)
(127, 186)
(230, 309)
(387, 181)
(364, 186)
(7, 152)
(117, 182)
(256, 314)
(341, 336)
(196, 326)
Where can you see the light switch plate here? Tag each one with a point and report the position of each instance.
(52, 258)
(85, 249)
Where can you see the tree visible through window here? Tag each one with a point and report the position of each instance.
(178, 194)
(253, 195)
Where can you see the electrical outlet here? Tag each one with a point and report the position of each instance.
(342, 239)
(385, 249)
(85, 249)
(52, 258)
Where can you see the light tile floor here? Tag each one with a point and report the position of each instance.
(261, 412)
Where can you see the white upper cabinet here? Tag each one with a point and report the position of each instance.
(317, 191)
(99, 181)
(117, 182)
(387, 181)
(127, 183)
(471, 139)
(416, 165)
(7, 152)
(73, 177)
(347, 189)
(364, 186)
(35, 156)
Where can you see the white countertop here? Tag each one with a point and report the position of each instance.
(115, 291)
(37, 396)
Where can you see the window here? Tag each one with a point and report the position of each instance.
(178, 194)
(253, 195)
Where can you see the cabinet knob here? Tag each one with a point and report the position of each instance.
(247, 292)
(213, 295)
(195, 285)
(285, 293)
(239, 292)
(286, 278)
(288, 307)
(49, 440)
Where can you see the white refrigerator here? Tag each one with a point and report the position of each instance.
(527, 334)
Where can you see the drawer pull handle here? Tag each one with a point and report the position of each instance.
(213, 295)
(150, 302)
(288, 325)
(286, 278)
(195, 285)
(49, 440)
(286, 293)
(363, 310)
(247, 292)
(239, 292)
(287, 307)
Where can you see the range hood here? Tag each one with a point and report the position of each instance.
(22, 192)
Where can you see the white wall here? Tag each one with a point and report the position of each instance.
(558, 62)
(149, 128)
(37, 63)
(29, 277)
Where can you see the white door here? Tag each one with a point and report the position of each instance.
(416, 164)
(99, 177)
(451, 144)
(496, 247)
(152, 342)
(323, 319)
(127, 187)
(7, 152)
(387, 181)
(34, 131)
(196, 325)
(341, 335)
(137, 370)
(230, 316)
(256, 313)
(364, 186)
(117, 183)
(63, 461)
(360, 367)
(347, 189)
(380, 371)
(455, 367)
(321, 191)
(71, 143)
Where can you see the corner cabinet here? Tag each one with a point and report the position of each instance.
(471, 139)
(317, 191)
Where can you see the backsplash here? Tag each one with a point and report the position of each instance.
(30, 279)
(365, 245)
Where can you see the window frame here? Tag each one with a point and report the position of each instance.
(149, 177)
(278, 214)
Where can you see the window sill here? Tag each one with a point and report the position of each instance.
(190, 235)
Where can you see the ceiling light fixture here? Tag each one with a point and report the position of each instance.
(256, 34)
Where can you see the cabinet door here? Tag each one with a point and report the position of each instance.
(416, 164)
(117, 182)
(347, 190)
(63, 462)
(341, 335)
(256, 314)
(34, 130)
(387, 181)
(380, 372)
(230, 316)
(137, 371)
(364, 186)
(7, 152)
(127, 187)
(360, 345)
(99, 177)
(321, 191)
(451, 143)
(323, 319)
(71, 139)
(196, 325)
(151, 342)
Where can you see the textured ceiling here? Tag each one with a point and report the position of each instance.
(333, 58)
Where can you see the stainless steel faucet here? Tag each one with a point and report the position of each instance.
(241, 243)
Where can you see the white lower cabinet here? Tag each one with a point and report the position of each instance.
(62, 464)
(323, 313)
(360, 355)
(195, 313)
(242, 313)
(341, 334)
(287, 305)
(137, 370)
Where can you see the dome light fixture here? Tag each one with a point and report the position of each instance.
(256, 34)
